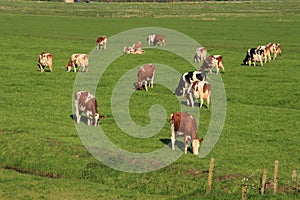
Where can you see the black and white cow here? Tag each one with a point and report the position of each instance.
(254, 55)
(186, 79)
(87, 103)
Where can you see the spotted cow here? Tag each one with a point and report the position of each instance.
(186, 79)
(198, 90)
(101, 42)
(86, 103)
(182, 123)
(213, 61)
(200, 54)
(45, 60)
(78, 60)
(145, 76)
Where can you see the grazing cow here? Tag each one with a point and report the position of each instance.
(268, 50)
(198, 90)
(200, 54)
(254, 55)
(101, 42)
(78, 60)
(277, 51)
(145, 76)
(45, 60)
(184, 123)
(213, 61)
(87, 103)
(186, 79)
(156, 39)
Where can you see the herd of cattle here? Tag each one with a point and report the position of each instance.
(192, 85)
(261, 54)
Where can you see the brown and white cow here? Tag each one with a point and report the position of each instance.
(199, 90)
(146, 76)
(78, 60)
(200, 54)
(156, 39)
(101, 42)
(213, 61)
(45, 60)
(137, 46)
(267, 51)
(277, 51)
(187, 79)
(87, 103)
(182, 123)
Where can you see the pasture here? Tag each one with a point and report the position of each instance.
(41, 153)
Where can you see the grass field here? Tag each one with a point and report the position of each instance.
(42, 155)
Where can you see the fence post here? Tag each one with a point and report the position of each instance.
(294, 180)
(263, 182)
(275, 176)
(210, 175)
(244, 192)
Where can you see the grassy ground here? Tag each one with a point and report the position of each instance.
(38, 137)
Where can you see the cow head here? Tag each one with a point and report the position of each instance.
(181, 85)
(196, 144)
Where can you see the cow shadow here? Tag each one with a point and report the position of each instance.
(196, 104)
(178, 144)
(82, 119)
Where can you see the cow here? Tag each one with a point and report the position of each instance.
(213, 61)
(78, 60)
(45, 60)
(136, 48)
(87, 103)
(145, 76)
(277, 51)
(199, 90)
(254, 55)
(101, 42)
(268, 50)
(200, 54)
(186, 79)
(156, 39)
(182, 123)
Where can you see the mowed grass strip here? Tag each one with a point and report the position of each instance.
(38, 134)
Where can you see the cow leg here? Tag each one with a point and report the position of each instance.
(51, 69)
(173, 139)
(222, 66)
(78, 116)
(145, 84)
(152, 80)
(201, 102)
(208, 101)
(185, 145)
(217, 68)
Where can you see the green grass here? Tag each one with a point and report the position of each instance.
(38, 136)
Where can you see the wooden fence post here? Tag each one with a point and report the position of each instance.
(210, 175)
(244, 192)
(275, 176)
(263, 182)
(294, 180)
